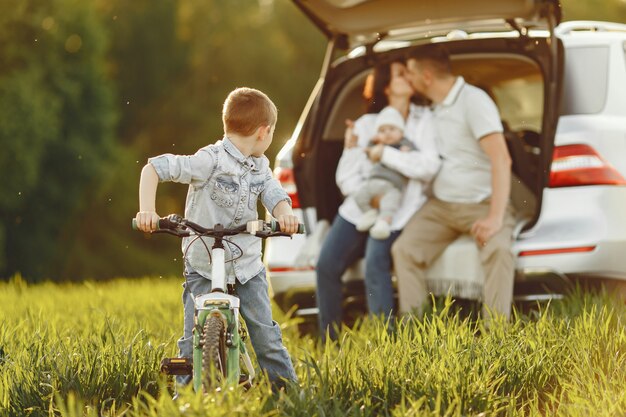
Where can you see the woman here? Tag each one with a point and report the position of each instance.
(344, 245)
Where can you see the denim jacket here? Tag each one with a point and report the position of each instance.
(224, 187)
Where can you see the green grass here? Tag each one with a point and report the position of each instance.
(93, 349)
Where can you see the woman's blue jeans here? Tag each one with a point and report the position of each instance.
(343, 246)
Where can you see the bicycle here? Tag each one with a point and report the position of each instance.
(218, 337)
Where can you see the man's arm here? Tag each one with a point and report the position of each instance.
(494, 146)
(422, 164)
(147, 218)
(353, 166)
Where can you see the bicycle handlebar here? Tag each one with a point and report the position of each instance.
(176, 225)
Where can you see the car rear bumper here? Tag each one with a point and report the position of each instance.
(581, 231)
(581, 234)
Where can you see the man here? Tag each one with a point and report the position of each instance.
(471, 191)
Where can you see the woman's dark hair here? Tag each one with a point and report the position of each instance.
(377, 81)
(375, 86)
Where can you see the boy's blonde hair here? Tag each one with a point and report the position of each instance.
(247, 109)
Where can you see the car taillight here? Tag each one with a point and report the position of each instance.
(287, 180)
(556, 251)
(580, 164)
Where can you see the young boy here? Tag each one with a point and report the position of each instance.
(383, 182)
(225, 181)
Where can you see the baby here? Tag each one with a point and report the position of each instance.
(383, 182)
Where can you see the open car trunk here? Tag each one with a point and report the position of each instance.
(520, 72)
(359, 22)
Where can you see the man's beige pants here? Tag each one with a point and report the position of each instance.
(430, 231)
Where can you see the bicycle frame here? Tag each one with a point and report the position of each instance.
(225, 306)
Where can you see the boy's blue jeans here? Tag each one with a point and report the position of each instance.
(343, 246)
(255, 308)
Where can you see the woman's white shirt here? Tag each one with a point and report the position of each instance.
(419, 165)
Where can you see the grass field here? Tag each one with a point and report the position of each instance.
(93, 349)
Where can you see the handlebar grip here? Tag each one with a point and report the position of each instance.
(275, 226)
(159, 225)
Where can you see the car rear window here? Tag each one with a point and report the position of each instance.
(585, 80)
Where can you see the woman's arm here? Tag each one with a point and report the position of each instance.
(349, 175)
(353, 165)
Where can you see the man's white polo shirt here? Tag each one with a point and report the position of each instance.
(466, 115)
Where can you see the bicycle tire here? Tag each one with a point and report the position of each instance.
(213, 350)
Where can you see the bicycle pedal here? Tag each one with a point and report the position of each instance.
(177, 366)
(244, 381)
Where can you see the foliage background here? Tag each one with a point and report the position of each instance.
(90, 90)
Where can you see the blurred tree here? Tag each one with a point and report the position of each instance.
(147, 61)
(56, 125)
(173, 64)
(262, 44)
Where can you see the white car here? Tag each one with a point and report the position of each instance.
(561, 91)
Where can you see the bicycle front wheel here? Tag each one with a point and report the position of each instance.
(213, 351)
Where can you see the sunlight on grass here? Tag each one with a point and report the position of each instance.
(93, 349)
